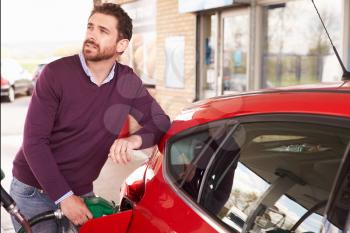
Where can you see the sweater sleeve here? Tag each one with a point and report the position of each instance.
(37, 130)
(150, 116)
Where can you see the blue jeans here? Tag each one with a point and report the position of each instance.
(32, 201)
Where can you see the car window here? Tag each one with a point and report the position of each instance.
(262, 176)
(284, 170)
(190, 156)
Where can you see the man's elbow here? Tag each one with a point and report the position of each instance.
(164, 124)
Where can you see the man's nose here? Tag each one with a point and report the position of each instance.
(91, 35)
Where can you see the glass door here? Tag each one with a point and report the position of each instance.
(234, 51)
(209, 26)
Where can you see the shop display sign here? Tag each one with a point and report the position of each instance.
(174, 67)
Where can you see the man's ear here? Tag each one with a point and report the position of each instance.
(122, 45)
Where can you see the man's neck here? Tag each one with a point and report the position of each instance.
(100, 69)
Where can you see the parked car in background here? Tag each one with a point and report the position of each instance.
(280, 157)
(41, 66)
(38, 71)
(14, 80)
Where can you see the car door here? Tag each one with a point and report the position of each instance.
(22, 82)
(18, 77)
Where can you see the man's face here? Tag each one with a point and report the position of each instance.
(101, 38)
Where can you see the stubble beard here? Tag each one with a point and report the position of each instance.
(97, 54)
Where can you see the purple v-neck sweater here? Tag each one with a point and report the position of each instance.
(71, 124)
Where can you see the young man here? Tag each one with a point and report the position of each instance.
(79, 105)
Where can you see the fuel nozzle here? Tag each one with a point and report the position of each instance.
(99, 206)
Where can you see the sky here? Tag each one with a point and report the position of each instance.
(43, 20)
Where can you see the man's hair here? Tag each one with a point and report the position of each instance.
(124, 22)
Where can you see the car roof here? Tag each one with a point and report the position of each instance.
(323, 99)
(318, 87)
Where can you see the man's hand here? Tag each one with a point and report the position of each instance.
(75, 210)
(121, 147)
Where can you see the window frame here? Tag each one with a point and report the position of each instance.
(214, 221)
(341, 179)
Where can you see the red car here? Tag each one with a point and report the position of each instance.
(14, 80)
(270, 161)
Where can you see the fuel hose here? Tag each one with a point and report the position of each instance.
(48, 215)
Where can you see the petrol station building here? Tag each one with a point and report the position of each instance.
(187, 50)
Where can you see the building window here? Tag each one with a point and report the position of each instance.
(296, 49)
(141, 53)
